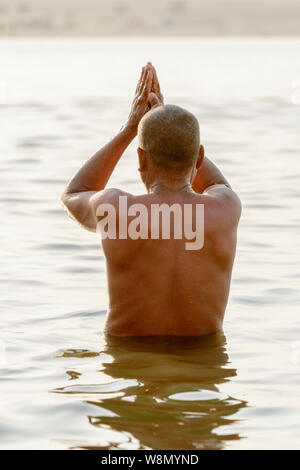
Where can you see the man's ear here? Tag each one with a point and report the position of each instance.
(200, 157)
(142, 159)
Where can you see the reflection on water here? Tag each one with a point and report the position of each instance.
(161, 393)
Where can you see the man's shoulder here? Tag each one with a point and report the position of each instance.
(222, 204)
(109, 196)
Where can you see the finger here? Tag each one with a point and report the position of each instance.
(139, 81)
(156, 85)
(148, 84)
(154, 100)
(143, 80)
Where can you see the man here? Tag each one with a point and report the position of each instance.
(157, 286)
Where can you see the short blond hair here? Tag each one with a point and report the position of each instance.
(170, 135)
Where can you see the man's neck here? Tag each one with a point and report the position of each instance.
(161, 184)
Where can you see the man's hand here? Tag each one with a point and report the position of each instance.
(140, 103)
(155, 97)
(147, 96)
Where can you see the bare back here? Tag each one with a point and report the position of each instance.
(157, 287)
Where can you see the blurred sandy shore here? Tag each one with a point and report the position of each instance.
(149, 18)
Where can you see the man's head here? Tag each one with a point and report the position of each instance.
(169, 140)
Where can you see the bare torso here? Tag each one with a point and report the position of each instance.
(157, 287)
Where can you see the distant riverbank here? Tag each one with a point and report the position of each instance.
(92, 18)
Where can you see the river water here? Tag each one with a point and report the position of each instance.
(62, 385)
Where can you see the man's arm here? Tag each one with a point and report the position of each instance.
(209, 180)
(86, 188)
(83, 190)
(208, 175)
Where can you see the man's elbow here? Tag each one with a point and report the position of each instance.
(77, 211)
(67, 204)
(65, 198)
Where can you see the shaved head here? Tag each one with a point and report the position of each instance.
(170, 136)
